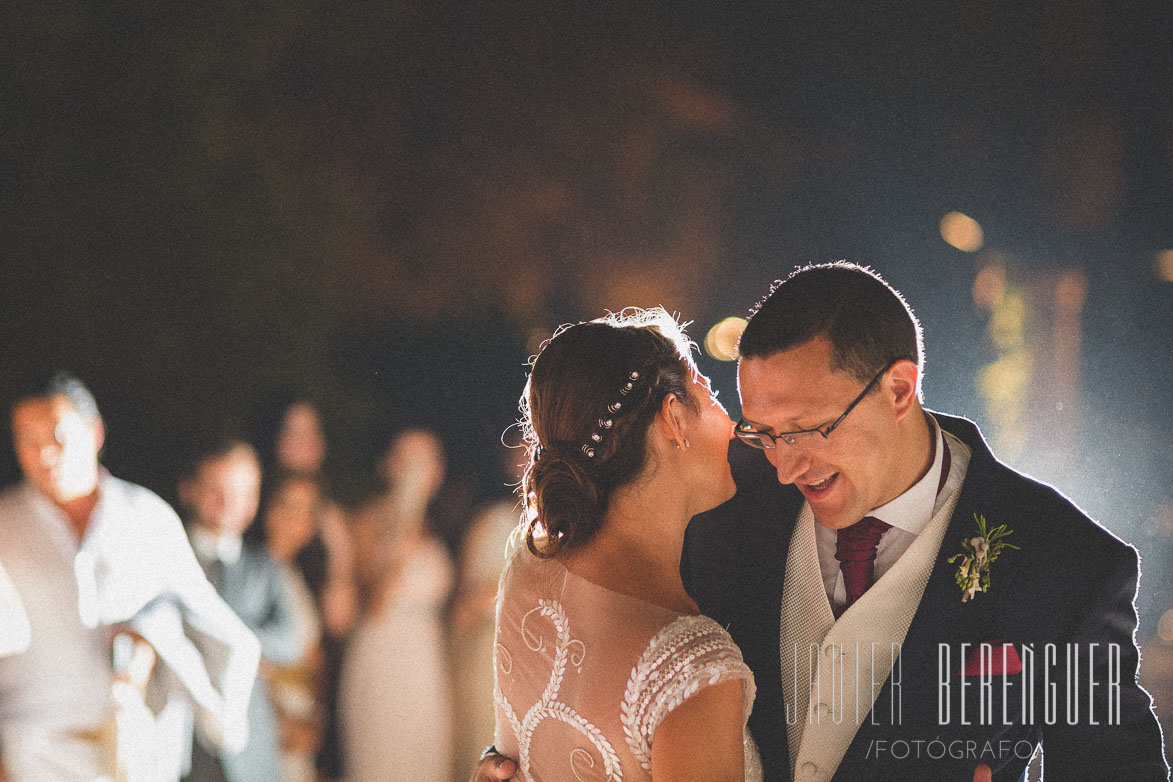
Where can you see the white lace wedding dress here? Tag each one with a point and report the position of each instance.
(585, 675)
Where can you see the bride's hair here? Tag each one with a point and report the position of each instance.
(593, 391)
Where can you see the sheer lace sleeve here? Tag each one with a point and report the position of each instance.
(690, 653)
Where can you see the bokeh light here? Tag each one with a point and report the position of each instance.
(721, 341)
(962, 231)
(1165, 265)
(989, 287)
(1165, 627)
(1071, 292)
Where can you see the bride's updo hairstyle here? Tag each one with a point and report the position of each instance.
(593, 391)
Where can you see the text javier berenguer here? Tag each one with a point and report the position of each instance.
(1000, 684)
(993, 683)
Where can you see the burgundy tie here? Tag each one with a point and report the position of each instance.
(855, 548)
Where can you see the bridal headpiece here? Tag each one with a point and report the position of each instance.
(605, 423)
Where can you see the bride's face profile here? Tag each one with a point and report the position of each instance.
(707, 457)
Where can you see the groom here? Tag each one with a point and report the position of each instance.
(833, 568)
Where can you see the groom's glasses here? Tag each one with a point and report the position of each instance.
(803, 439)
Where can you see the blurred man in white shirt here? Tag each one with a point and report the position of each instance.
(91, 557)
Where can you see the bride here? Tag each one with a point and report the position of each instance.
(604, 668)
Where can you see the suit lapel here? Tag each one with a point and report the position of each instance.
(982, 494)
(941, 617)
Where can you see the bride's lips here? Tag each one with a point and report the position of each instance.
(818, 490)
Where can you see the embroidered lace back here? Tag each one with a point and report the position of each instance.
(585, 675)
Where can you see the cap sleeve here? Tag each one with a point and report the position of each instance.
(687, 654)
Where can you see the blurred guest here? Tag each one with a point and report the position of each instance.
(94, 559)
(221, 493)
(482, 558)
(14, 623)
(288, 433)
(395, 698)
(290, 523)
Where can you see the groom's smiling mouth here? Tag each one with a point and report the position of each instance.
(817, 490)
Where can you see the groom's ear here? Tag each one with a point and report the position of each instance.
(900, 387)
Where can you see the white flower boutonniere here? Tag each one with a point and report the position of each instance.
(973, 575)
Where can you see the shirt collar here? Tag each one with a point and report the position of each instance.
(913, 510)
(50, 512)
(209, 546)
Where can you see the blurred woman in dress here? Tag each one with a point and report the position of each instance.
(289, 436)
(290, 521)
(482, 557)
(395, 695)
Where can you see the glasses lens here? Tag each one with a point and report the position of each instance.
(804, 441)
(756, 439)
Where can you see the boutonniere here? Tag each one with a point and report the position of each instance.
(973, 575)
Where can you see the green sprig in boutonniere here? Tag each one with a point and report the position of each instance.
(973, 575)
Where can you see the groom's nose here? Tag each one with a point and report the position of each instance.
(789, 462)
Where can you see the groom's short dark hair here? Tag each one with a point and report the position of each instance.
(866, 320)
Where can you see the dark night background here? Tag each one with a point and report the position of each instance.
(387, 206)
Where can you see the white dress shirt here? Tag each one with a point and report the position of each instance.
(14, 622)
(134, 565)
(908, 514)
(211, 547)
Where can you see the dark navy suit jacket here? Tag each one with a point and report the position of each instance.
(1072, 583)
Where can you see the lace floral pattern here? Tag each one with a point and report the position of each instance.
(584, 675)
(687, 654)
(566, 649)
